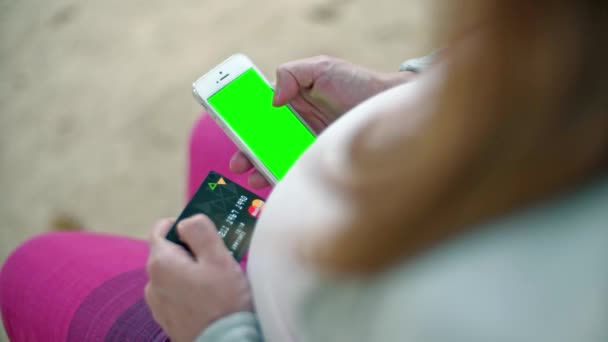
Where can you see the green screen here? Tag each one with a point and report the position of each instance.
(275, 135)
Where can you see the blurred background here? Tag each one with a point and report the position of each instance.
(95, 96)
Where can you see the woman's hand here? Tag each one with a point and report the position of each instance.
(187, 294)
(321, 89)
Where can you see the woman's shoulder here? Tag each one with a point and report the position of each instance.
(538, 274)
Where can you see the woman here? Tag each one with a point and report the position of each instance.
(466, 205)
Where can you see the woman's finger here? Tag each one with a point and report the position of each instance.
(297, 75)
(287, 87)
(167, 262)
(201, 235)
(239, 163)
(257, 181)
(164, 254)
(160, 229)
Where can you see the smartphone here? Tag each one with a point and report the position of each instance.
(233, 209)
(239, 98)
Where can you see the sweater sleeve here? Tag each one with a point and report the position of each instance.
(241, 326)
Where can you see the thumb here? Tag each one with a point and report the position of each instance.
(298, 75)
(200, 234)
(287, 88)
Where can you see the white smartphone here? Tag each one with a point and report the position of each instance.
(239, 98)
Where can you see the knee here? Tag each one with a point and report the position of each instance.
(14, 268)
(200, 128)
(24, 277)
(25, 248)
(14, 274)
(34, 243)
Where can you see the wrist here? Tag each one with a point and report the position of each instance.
(394, 79)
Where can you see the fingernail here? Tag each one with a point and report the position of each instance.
(277, 93)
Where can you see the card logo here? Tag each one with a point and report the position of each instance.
(255, 209)
(212, 186)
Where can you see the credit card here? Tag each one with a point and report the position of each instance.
(232, 208)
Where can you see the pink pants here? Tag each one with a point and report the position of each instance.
(79, 286)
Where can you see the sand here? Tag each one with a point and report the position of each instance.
(95, 96)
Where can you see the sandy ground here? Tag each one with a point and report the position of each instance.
(95, 99)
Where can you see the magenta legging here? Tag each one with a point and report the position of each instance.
(76, 286)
